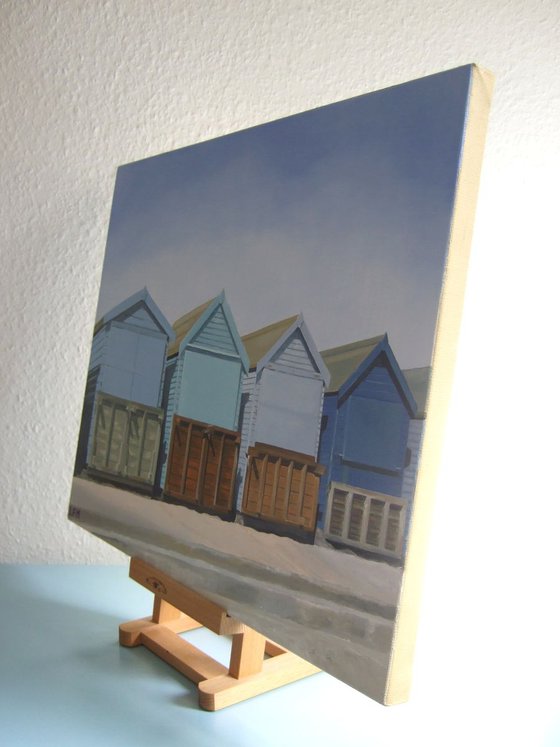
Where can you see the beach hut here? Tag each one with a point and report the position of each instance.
(280, 427)
(202, 395)
(121, 421)
(366, 414)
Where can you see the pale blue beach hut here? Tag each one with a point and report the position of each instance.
(203, 378)
(121, 421)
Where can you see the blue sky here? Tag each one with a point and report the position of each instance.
(342, 212)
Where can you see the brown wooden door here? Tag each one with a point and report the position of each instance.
(282, 487)
(202, 465)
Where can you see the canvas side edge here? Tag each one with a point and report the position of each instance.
(400, 667)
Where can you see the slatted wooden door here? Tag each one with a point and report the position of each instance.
(126, 438)
(202, 465)
(366, 519)
(282, 487)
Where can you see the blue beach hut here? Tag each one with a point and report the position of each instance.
(366, 414)
(121, 420)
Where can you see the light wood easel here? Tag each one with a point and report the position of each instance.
(178, 609)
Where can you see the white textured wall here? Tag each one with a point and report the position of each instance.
(90, 85)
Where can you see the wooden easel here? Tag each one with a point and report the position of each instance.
(178, 609)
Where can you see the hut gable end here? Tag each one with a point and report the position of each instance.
(376, 382)
(210, 328)
(294, 355)
(139, 310)
(141, 317)
(216, 334)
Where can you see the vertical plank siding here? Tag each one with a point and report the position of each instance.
(125, 440)
(282, 487)
(202, 465)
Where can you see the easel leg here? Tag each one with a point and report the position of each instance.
(247, 654)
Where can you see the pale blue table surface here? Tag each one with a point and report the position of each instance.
(64, 680)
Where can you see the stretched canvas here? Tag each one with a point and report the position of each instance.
(272, 360)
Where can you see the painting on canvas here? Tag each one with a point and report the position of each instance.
(258, 390)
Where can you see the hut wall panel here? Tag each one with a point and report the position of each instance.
(149, 364)
(415, 435)
(121, 348)
(172, 386)
(210, 389)
(289, 412)
(366, 476)
(326, 451)
(247, 415)
(375, 433)
(318, 423)
(133, 365)
(415, 432)
(86, 424)
(98, 347)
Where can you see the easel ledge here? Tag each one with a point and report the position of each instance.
(178, 609)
